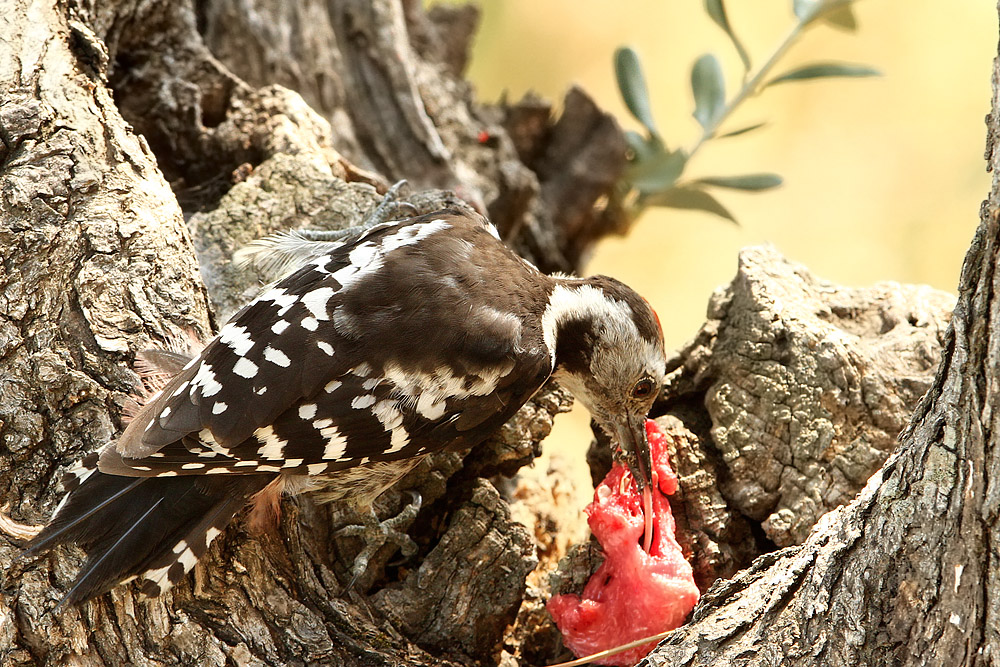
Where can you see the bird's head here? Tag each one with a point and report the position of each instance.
(609, 354)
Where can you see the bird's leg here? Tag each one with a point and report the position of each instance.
(377, 533)
(388, 207)
(278, 255)
(384, 212)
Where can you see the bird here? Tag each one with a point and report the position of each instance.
(392, 341)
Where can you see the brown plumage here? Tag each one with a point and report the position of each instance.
(412, 337)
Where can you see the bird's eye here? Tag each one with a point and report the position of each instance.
(643, 388)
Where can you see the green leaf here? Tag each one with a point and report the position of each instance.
(644, 148)
(820, 70)
(691, 197)
(843, 18)
(657, 174)
(709, 91)
(632, 85)
(717, 11)
(742, 130)
(636, 142)
(805, 10)
(750, 182)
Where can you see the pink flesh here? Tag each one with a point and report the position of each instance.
(645, 585)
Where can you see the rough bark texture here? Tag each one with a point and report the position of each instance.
(907, 573)
(122, 120)
(789, 398)
(118, 126)
(779, 410)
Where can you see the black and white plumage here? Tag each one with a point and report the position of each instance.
(413, 336)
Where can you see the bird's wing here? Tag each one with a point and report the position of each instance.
(352, 420)
(376, 351)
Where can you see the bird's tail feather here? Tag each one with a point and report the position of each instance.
(153, 527)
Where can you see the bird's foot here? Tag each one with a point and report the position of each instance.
(376, 534)
(386, 210)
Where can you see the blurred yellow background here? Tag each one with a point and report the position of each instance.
(883, 176)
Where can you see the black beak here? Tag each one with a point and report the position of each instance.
(631, 435)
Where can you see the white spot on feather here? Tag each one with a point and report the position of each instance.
(245, 368)
(399, 439)
(273, 447)
(316, 303)
(362, 402)
(276, 357)
(283, 300)
(237, 338)
(367, 257)
(336, 443)
(430, 406)
(206, 380)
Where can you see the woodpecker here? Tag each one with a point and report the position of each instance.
(406, 338)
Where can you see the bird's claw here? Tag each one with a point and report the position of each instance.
(388, 208)
(376, 534)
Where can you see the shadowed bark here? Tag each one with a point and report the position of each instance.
(907, 573)
(143, 140)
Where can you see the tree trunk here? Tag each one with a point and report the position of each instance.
(118, 126)
(909, 572)
(123, 120)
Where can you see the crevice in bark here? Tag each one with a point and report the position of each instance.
(98, 263)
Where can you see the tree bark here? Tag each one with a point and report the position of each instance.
(118, 127)
(907, 573)
(141, 136)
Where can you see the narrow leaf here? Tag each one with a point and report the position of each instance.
(742, 130)
(717, 10)
(805, 10)
(751, 182)
(636, 142)
(643, 148)
(820, 70)
(691, 197)
(709, 91)
(843, 18)
(657, 174)
(632, 85)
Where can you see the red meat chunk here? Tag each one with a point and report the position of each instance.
(634, 593)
